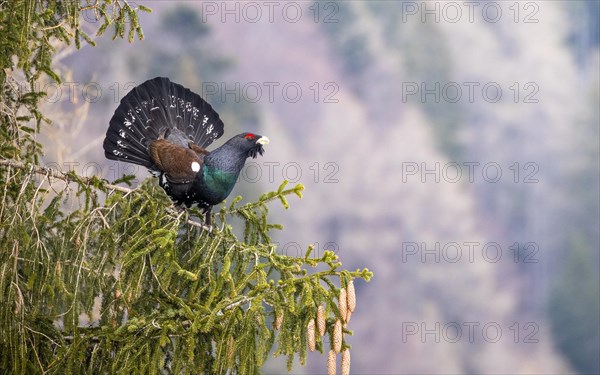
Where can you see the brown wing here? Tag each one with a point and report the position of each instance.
(199, 150)
(179, 163)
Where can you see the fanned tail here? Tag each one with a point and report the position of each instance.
(156, 109)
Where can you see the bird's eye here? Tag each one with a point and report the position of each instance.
(250, 136)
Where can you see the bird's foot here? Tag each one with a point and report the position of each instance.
(179, 208)
(208, 216)
(205, 224)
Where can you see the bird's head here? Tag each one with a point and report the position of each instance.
(249, 143)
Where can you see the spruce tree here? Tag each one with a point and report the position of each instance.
(98, 277)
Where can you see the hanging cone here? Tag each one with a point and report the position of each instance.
(321, 320)
(343, 304)
(351, 296)
(346, 362)
(337, 336)
(310, 335)
(331, 363)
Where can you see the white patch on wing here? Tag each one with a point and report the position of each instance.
(195, 166)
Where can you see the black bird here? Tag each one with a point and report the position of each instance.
(166, 128)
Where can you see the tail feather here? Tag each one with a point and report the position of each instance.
(155, 109)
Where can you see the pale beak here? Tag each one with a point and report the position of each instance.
(263, 140)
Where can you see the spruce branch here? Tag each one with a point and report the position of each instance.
(100, 184)
(67, 177)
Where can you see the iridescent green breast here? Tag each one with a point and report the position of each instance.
(217, 183)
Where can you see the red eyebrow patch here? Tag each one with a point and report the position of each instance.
(249, 136)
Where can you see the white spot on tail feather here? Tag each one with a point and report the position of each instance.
(195, 166)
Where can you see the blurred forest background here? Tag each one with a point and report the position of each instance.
(361, 137)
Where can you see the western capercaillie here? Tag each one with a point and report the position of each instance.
(166, 128)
